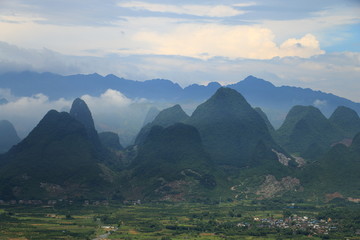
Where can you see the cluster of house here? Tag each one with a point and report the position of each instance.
(295, 223)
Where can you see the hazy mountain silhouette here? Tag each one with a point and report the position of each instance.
(306, 127)
(347, 120)
(165, 118)
(8, 136)
(257, 91)
(151, 115)
(65, 157)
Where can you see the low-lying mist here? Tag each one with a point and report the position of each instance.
(112, 111)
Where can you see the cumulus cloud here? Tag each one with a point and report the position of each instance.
(305, 47)
(107, 101)
(211, 40)
(196, 10)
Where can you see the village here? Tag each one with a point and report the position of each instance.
(294, 223)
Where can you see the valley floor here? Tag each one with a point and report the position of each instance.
(225, 220)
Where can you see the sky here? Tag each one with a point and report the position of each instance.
(310, 43)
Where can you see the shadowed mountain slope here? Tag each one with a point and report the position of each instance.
(57, 159)
(347, 120)
(336, 171)
(110, 140)
(231, 129)
(305, 127)
(170, 161)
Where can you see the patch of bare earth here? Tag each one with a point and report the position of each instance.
(331, 196)
(272, 187)
(354, 200)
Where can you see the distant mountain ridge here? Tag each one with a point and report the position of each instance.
(257, 91)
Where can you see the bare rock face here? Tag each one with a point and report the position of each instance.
(272, 187)
(284, 160)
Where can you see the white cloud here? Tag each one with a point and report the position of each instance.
(112, 111)
(19, 19)
(26, 112)
(196, 10)
(320, 23)
(211, 40)
(305, 47)
(319, 103)
(108, 101)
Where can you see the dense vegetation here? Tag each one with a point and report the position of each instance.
(231, 129)
(172, 162)
(305, 126)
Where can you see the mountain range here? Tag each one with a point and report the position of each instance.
(225, 148)
(275, 101)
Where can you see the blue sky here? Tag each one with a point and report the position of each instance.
(301, 43)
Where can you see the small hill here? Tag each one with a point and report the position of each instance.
(306, 127)
(110, 140)
(165, 118)
(56, 160)
(347, 120)
(170, 163)
(232, 131)
(8, 136)
(337, 171)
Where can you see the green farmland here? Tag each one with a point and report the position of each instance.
(226, 220)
